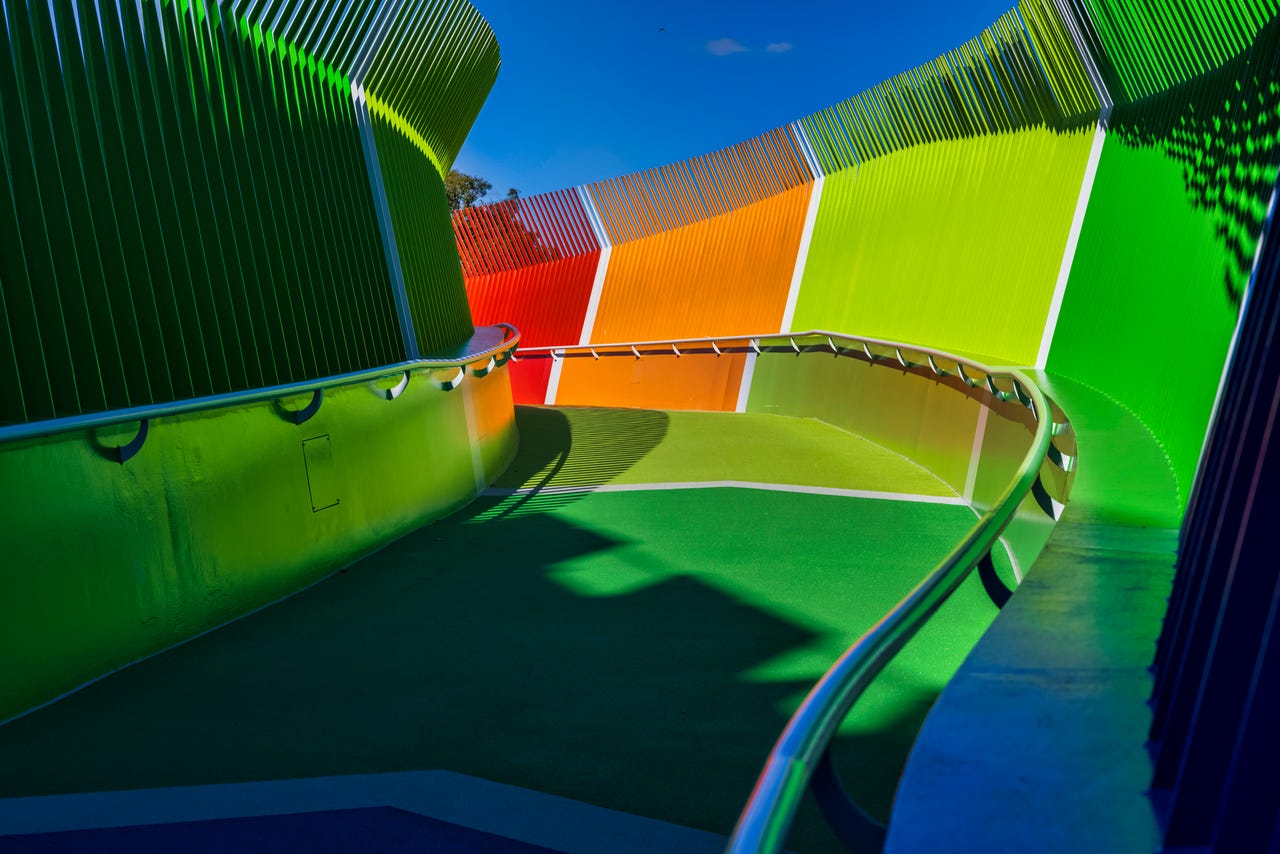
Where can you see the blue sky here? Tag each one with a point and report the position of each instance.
(589, 90)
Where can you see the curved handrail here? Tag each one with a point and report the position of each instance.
(767, 818)
(52, 426)
(803, 747)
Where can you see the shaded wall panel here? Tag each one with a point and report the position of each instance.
(920, 419)
(653, 382)
(953, 244)
(219, 513)
(1167, 245)
(728, 275)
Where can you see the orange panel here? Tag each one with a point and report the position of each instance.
(727, 275)
(656, 382)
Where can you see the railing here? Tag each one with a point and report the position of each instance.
(802, 755)
(479, 361)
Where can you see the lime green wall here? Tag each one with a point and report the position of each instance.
(106, 563)
(918, 417)
(954, 244)
(925, 422)
(1149, 328)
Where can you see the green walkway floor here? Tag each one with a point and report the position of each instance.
(638, 650)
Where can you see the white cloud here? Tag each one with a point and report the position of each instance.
(724, 47)
(779, 47)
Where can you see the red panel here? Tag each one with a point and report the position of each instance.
(529, 378)
(546, 302)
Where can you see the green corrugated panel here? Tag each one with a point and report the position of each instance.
(1167, 246)
(1022, 71)
(1146, 46)
(425, 240)
(436, 67)
(187, 208)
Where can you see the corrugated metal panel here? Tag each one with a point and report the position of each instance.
(728, 275)
(188, 208)
(654, 382)
(546, 302)
(668, 197)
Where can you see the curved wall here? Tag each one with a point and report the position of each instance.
(196, 202)
(1081, 185)
(220, 512)
(205, 201)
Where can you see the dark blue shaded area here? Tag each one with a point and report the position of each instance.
(382, 829)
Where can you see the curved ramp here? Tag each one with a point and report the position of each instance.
(636, 650)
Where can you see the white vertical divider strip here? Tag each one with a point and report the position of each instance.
(1068, 12)
(597, 288)
(553, 382)
(802, 255)
(364, 58)
(383, 208)
(1073, 241)
(1235, 334)
(473, 434)
(744, 390)
(979, 434)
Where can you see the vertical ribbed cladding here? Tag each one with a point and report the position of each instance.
(1022, 71)
(949, 192)
(432, 72)
(1173, 224)
(187, 207)
(419, 212)
(646, 203)
(425, 82)
(530, 262)
(523, 232)
(1143, 47)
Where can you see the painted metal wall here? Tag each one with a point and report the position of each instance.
(193, 203)
(1081, 185)
(211, 199)
(1167, 245)
(219, 513)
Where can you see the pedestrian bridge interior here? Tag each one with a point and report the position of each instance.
(891, 480)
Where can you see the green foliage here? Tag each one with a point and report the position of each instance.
(463, 190)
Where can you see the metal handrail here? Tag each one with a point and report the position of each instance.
(803, 749)
(751, 343)
(767, 818)
(52, 426)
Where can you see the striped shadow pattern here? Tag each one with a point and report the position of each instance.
(189, 205)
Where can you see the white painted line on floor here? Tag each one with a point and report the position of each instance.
(953, 500)
(516, 813)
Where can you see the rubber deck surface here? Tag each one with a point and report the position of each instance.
(637, 650)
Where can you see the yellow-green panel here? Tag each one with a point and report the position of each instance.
(918, 418)
(106, 563)
(954, 244)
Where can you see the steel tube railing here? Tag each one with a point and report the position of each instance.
(804, 745)
(49, 427)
